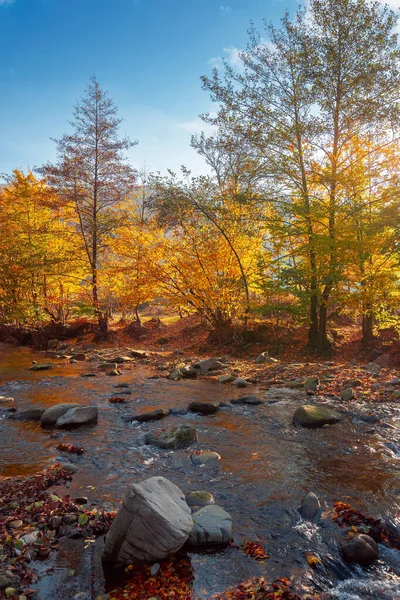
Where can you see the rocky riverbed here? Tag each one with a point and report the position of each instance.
(266, 463)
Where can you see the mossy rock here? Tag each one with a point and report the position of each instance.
(315, 416)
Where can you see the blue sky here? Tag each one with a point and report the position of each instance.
(149, 55)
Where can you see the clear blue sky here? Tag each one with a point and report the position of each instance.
(149, 55)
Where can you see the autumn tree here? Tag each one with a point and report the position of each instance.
(319, 81)
(41, 263)
(92, 172)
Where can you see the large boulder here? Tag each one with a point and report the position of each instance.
(81, 415)
(309, 415)
(153, 523)
(361, 549)
(52, 414)
(175, 437)
(372, 368)
(212, 525)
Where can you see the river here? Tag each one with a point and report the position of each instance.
(267, 467)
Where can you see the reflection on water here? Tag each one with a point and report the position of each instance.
(267, 466)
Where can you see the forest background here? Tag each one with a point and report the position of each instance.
(297, 220)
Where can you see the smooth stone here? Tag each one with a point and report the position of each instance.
(204, 457)
(309, 506)
(226, 378)
(372, 368)
(69, 467)
(176, 437)
(153, 523)
(265, 359)
(361, 549)
(209, 364)
(315, 416)
(199, 498)
(189, 372)
(41, 367)
(52, 414)
(240, 382)
(347, 394)
(311, 384)
(81, 415)
(80, 357)
(253, 400)
(33, 414)
(154, 415)
(212, 526)
(107, 365)
(203, 408)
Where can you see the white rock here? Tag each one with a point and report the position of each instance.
(78, 416)
(153, 523)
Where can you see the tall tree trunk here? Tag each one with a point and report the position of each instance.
(367, 328)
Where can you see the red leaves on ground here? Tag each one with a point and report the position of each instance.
(70, 448)
(346, 515)
(116, 400)
(254, 550)
(172, 582)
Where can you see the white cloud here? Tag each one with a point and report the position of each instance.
(5, 2)
(196, 126)
(232, 56)
(223, 8)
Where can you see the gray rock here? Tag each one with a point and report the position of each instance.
(203, 408)
(311, 384)
(41, 367)
(373, 368)
(189, 372)
(361, 549)
(175, 375)
(199, 498)
(121, 359)
(253, 400)
(347, 394)
(50, 416)
(55, 522)
(107, 366)
(212, 525)
(204, 457)
(176, 437)
(309, 506)
(315, 416)
(154, 415)
(81, 415)
(226, 378)
(33, 414)
(265, 359)
(395, 381)
(153, 523)
(209, 364)
(69, 467)
(384, 361)
(240, 382)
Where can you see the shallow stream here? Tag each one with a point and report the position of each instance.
(267, 467)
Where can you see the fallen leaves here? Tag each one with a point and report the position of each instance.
(254, 550)
(259, 588)
(381, 532)
(70, 448)
(173, 581)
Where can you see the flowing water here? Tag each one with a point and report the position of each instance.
(267, 467)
